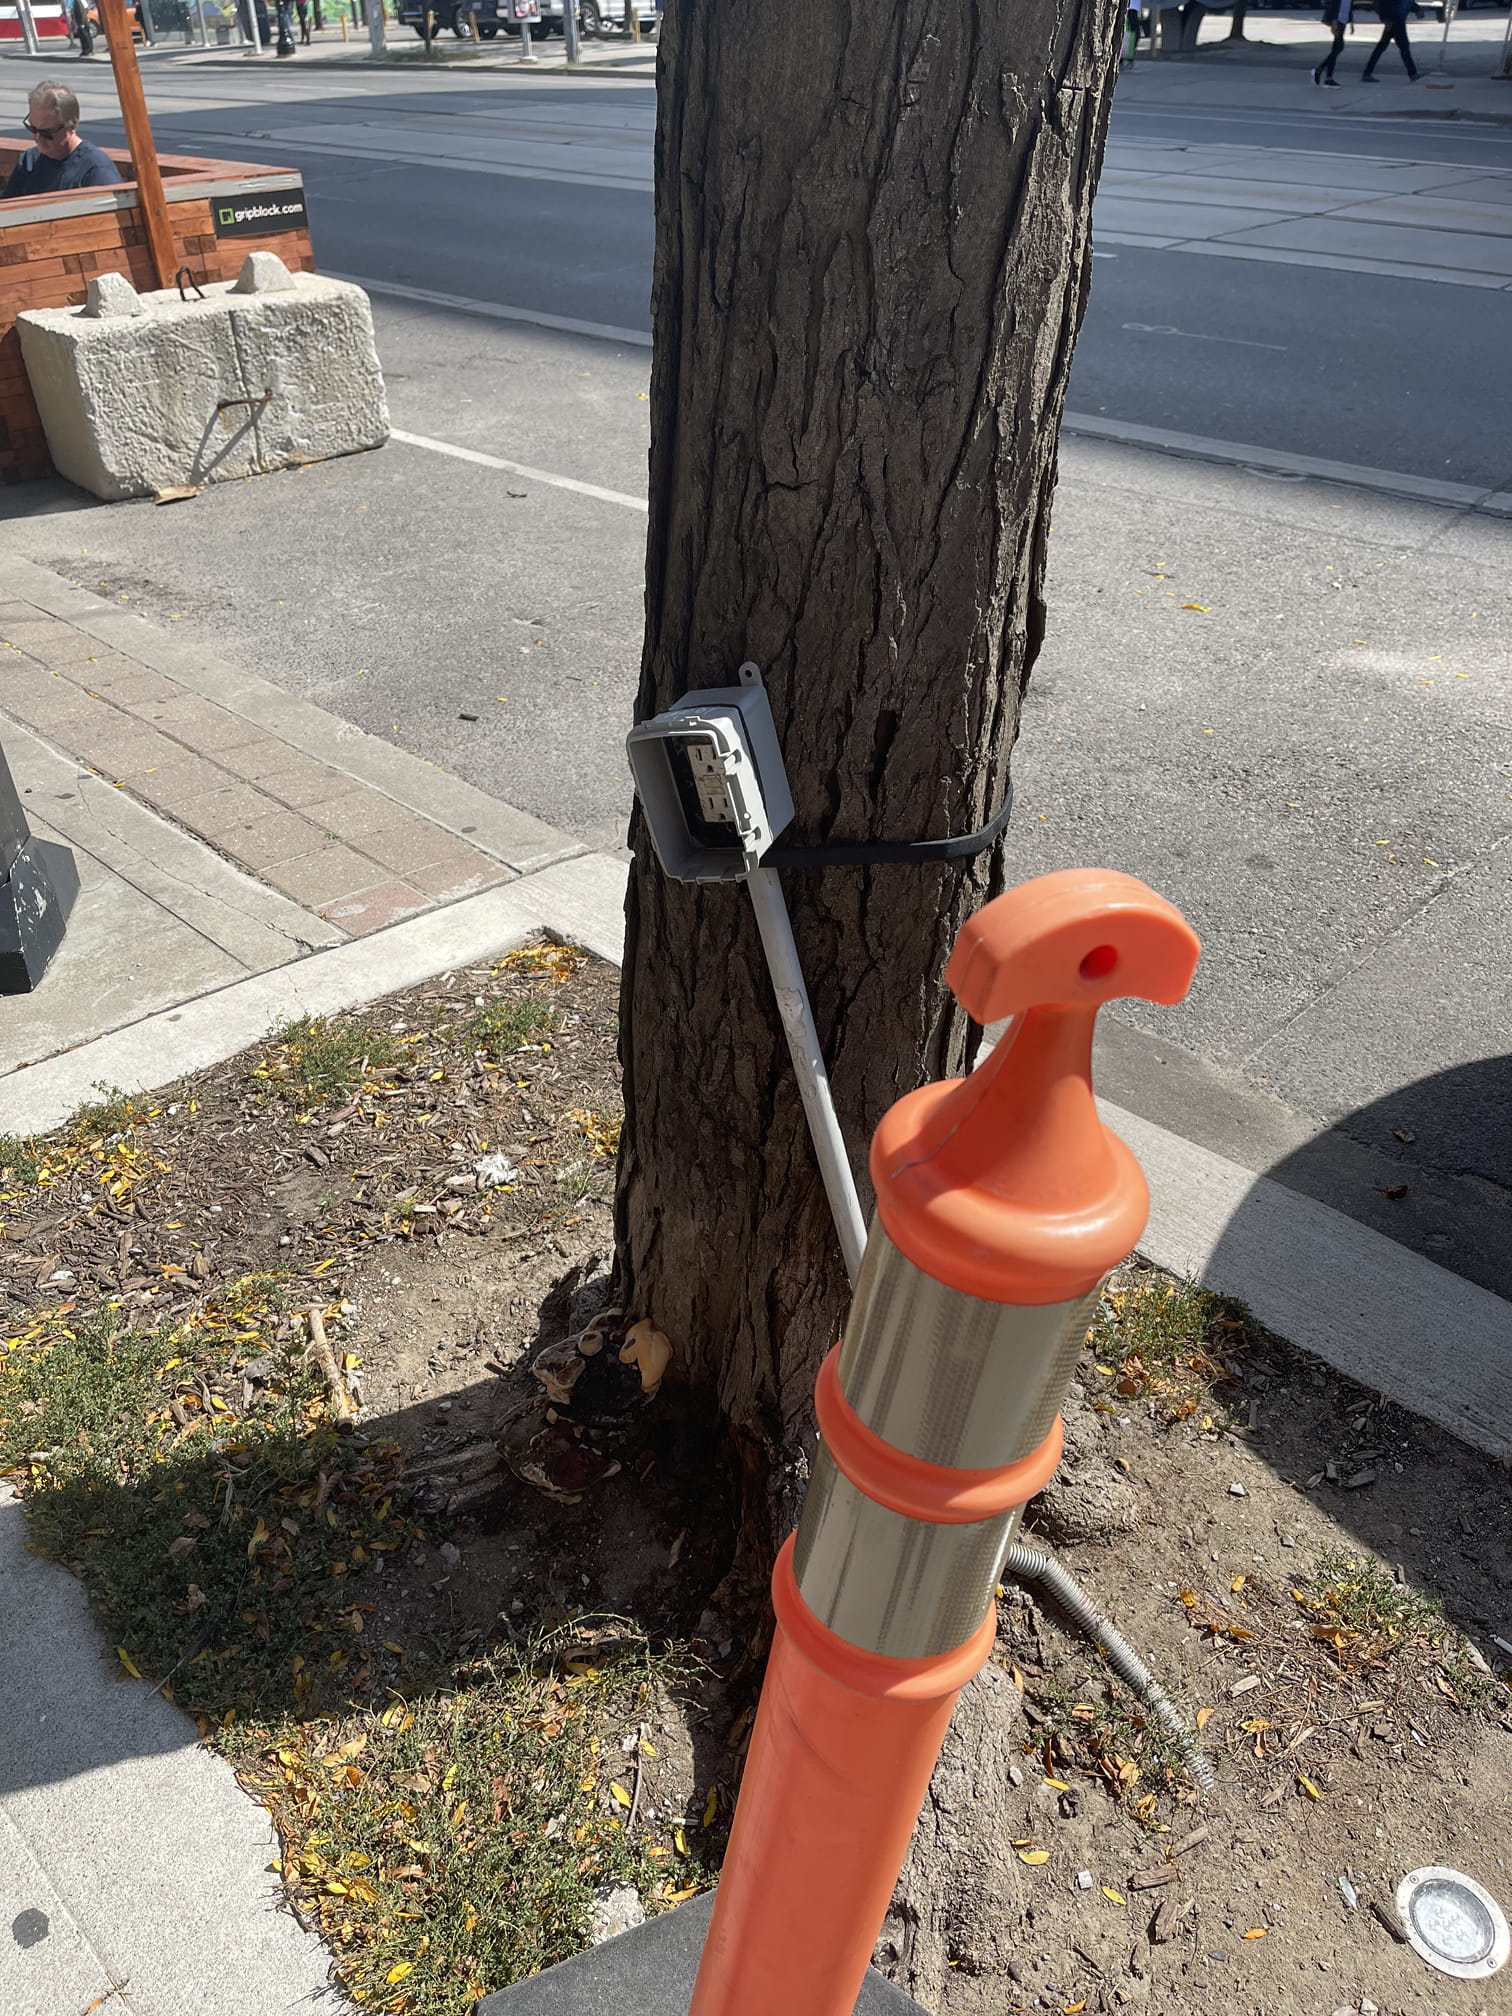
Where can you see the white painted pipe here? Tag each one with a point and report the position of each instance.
(776, 929)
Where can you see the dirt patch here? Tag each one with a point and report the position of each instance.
(1290, 1535)
(525, 1684)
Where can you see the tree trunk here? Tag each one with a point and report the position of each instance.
(872, 256)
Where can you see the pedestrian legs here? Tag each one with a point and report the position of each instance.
(1324, 74)
(1394, 31)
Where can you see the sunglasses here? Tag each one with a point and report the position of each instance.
(44, 132)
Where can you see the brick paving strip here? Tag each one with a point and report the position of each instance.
(333, 842)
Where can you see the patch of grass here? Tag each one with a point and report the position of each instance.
(451, 1845)
(580, 1180)
(114, 1112)
(19, 1165)
(219, 1522)
(503, 1026)
(1358, 1607)
(320, 1062)
(445, 1828)
(1111, 1736)
(1168, 1342)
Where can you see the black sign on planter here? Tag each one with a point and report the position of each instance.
(260, 213)
(38, 884)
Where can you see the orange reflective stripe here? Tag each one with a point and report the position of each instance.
(918, 1490)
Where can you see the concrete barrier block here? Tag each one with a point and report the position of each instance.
(253, 376)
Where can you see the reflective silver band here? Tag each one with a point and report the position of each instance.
(967, 1384)
(936, 1373)
(890, 1584)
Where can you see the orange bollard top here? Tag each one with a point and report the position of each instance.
(1007, 1185)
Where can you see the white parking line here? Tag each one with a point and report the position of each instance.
(497, 312)
(519, 469)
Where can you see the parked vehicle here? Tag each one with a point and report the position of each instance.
(600, 17)
(595, 18)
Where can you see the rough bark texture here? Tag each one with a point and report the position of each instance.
(873, 226)
(958, 1905)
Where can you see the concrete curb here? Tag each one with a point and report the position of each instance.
(1373, 1309)
(131, 1862)
(1197, 447)
(522, 843)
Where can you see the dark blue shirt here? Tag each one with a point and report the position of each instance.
(84, 168)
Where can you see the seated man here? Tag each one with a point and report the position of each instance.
(60, 159)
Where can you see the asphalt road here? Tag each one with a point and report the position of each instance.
(1390, 373)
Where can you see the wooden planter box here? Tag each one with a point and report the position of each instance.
(50, 246)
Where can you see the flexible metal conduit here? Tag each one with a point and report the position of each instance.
(1030, 1565)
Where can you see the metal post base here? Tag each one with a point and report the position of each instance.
(35, 899)
(649, 1972)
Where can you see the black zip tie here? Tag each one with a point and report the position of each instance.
(876, 853)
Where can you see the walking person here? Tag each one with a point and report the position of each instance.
(1337, 14)
(1393, 15)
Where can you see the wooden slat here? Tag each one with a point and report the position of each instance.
(152, 205)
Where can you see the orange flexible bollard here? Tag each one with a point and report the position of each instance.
(1002, 1202)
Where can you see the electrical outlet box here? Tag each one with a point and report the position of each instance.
(711, 782)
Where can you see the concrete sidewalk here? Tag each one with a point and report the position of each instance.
(1268, 70)
(225, 831)
(133, 1871)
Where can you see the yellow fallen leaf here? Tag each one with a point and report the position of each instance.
(1204, 1716)
(1201, 608)
(1018, 1678)
(618, 1794)
(1237, 1583)
(1111, 1895)
(1259, 1932)
(1072, 2008)
(1309, 1788)
(259, 1538)
(125, 1659)
(711, 1806)
(679, 1841)
(1034, 1856)
(1057, 1784)
(398, 1972)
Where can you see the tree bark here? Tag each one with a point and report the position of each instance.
(958, 1906)
(872, 257)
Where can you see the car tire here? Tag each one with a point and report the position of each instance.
(488, 30)
(590, 20)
